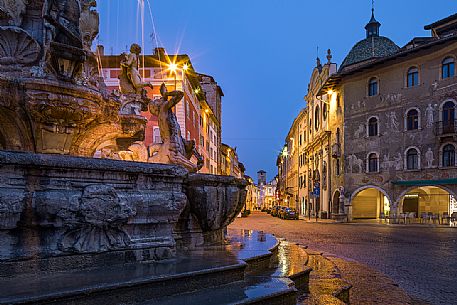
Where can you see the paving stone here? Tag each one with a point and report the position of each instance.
(421, 260)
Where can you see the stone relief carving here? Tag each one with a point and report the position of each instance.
(429, 116)
(387, 163)
(96, 225)
(12, 10)
(396, 163)
(393, 97)
(17, 47)
(392, 121)
(137, 152)
(355, 162)
(88, 23)
(11, 207)
(174, 149)
(130, 81)
(429, 158)
(360, 131)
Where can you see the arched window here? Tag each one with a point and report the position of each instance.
(448, 117)
(372, 163)
(372, 127)
(448, 67)
(324, 112)
(412, 159)
(448, 155)
(412, 120)
(373, 87)
(317, 115)
(413, 77)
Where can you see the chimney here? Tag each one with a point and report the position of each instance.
(100, 50)
(160, 52)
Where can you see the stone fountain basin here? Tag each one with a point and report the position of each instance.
(215, 201)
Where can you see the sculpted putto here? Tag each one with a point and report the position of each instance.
(174, 149)
(130, 78)
(88, 23)
(13, 11)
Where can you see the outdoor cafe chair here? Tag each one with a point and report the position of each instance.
(411, 217)
(424, 217)
(445, 218)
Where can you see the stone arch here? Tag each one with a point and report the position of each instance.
(367, 162)
(434, 199)
(440, 118)
(378, 124)
(419, 118)
(409, 189)
(358, 190)
(369, 202)
(419, 158)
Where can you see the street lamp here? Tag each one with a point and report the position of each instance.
(173, 67)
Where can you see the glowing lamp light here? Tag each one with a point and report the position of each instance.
(330, 92)
(173, 67)
(185, 67)
(207, 110)
(197, 91)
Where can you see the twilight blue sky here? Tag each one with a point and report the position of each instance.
(262, 52)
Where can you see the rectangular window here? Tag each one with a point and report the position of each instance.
(202, 141)
(156, 136)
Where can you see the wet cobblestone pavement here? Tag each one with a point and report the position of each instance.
(420, 259)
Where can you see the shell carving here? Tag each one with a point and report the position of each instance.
(17, 46)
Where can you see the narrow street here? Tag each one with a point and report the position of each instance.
(420, 259)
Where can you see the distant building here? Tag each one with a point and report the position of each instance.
(380, 134)
(400, 125)
(199, 112)
(252, 195)
(230, 165)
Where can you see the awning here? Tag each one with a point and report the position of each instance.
(425, 182)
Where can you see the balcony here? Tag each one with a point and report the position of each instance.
(446, 128)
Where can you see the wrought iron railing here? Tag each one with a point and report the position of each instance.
(446, 128)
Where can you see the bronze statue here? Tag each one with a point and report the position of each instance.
(130, 78)
(174, 149)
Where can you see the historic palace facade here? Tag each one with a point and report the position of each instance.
(389, 143)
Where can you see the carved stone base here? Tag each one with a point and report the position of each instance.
(59, 212)
(63, 213)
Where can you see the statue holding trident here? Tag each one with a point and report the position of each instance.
(130, 78)
(174, 149)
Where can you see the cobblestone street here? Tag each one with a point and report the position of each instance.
(420, 259)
